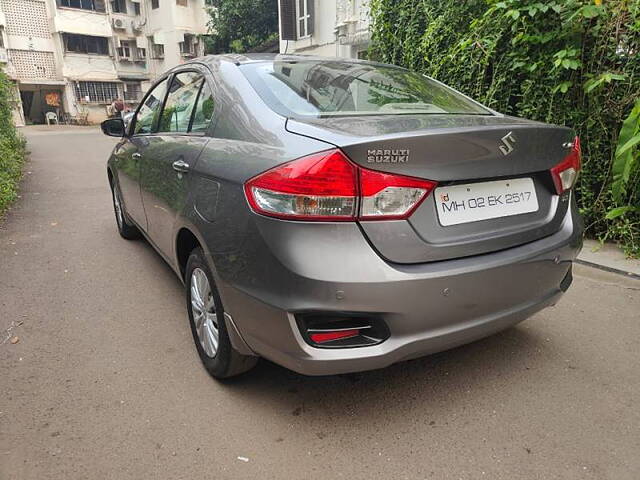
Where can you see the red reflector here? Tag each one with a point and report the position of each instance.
(337, 335)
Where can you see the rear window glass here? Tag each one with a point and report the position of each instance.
(330, 88)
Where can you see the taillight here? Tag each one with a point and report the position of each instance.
(385, 196)
(327, 186)
(322, 186)
(565, 173)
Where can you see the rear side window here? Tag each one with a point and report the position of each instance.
(178, 109)
(204, 110)
(147, 115)
(338, 88)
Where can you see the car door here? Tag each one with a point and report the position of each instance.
(171, 153)
(129, 153)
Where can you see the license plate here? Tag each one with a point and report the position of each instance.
(473, 202)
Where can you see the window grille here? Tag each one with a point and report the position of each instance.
(97, 92)
(132, 91)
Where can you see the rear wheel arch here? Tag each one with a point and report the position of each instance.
(186, 242)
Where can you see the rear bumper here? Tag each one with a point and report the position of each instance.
(428, 307)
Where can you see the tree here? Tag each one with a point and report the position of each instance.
(240, 26)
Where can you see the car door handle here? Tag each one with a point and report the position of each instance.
(180, 166)
(136, 156)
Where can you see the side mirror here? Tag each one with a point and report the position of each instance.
(114, 127)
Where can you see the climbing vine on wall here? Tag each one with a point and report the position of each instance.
(569, 62)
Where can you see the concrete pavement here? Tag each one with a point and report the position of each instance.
(104, 382)
(609, 256)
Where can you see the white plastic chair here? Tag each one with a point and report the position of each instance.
(51, 116)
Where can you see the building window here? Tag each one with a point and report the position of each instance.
(141, 53)
(155, 3)
(132, 91)
(119, 6)
(182, 3)
(95, 5)
(136, 8)
(124, 50)
(304, 17)
(85, 44)
(157, 49)
(1, 36)
(97, 92)
(188, 46)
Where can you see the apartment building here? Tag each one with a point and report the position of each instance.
(74, 57)
(331, 28)
(28, 55)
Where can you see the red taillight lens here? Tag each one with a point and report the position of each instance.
(322, 186)
(565, 173)
(335, 335)
(386, 196)
(327, 186)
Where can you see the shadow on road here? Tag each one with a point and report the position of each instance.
(442, 381)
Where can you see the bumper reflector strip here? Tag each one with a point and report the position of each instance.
(335, 335)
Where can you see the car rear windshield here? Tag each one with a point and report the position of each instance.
(333, 88)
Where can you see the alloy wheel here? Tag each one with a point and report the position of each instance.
(203, 308)
(117, 204)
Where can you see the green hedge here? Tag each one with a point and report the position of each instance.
(12, 147)
(568, 62)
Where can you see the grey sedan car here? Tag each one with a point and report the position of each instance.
(337, 215)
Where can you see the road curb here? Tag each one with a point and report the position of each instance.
(608, 269)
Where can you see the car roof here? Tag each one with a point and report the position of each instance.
(244, 58)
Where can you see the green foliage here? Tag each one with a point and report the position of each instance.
(12, 146)
(238, 26)
(627, 153)
(568, 62)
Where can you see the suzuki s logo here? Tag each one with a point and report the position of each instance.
(508, 143)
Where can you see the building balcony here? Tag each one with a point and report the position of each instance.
(83, 22)
(132, 71)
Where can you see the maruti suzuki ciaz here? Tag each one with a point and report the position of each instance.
(336, 215)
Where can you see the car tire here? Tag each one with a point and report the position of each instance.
(126, 230)
(207, 320)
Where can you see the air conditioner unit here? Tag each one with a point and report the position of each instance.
(118, 23)
(4, 58)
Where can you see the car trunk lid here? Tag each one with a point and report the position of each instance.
(455, 151)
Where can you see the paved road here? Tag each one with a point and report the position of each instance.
(105, 384)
